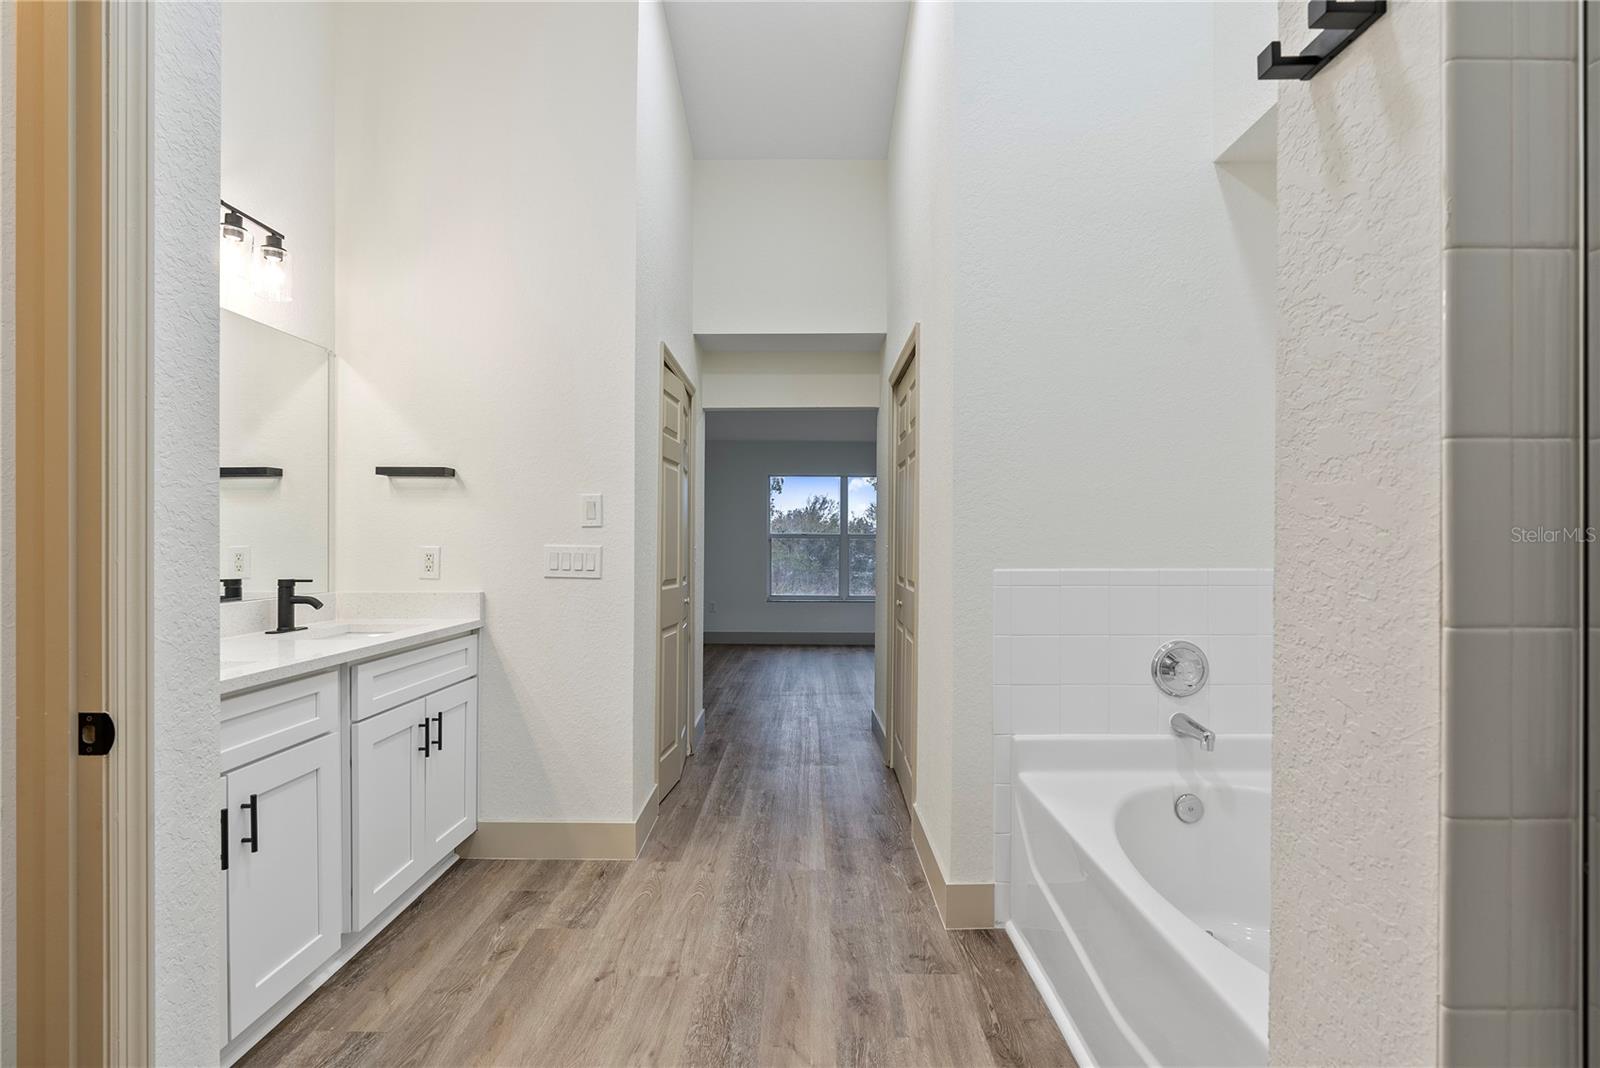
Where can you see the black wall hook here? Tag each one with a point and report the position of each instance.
(1341, 21)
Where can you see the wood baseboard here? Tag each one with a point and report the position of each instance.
(555, 840)
(798, 637)
(962, 906)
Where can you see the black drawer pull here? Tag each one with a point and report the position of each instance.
(438, 736)
(425, 746)
(224, 839)
(253, 839)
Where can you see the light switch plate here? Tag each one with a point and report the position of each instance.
(429, 562)
(572, 561)
(591, 512)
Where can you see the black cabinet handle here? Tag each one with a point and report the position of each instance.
(224, 839)
(425, 746)
(438, 738)
(253, 839)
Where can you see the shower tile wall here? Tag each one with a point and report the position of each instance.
(1072, 652)
(1591, 57)
(1509, 794)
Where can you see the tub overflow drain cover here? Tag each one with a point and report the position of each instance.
(1189, 808)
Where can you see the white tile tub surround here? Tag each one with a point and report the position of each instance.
(1072, 651)
(1509, 795)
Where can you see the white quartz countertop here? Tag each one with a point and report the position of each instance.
(252, 660)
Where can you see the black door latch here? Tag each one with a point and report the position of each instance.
(96, 733)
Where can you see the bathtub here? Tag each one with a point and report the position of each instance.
(1147, 936)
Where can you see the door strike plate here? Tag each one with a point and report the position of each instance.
(96, 733)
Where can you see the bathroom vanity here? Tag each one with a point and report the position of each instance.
(348, 754)
(349, 761)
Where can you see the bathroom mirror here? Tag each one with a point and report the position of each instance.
(274, 457)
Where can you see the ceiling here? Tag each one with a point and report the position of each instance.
(781, 79)
(792, 424)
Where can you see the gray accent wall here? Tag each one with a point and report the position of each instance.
(736, 538)
(1510, 946)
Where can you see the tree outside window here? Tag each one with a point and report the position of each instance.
(821, 537)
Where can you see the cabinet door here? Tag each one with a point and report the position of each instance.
(451, 770)
(386, 814)
(284, 868)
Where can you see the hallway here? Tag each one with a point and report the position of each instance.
(778, 915)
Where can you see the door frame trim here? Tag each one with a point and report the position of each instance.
(908, 352)
(128, 518)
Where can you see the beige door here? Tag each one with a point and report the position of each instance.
(672, 654)
(903, 551)
(62, 891)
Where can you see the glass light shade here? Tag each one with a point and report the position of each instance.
(272, 278)
(236, 248)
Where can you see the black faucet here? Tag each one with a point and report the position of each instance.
(287, 599)
(233, 589)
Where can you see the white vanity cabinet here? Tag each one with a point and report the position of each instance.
(415, 794)
(284, 867)
(450, 772)
(346, 791)
(386, 808)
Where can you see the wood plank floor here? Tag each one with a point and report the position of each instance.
(777, 916)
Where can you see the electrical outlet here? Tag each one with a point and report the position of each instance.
(711, 606)
(429, 563)
(237, 562)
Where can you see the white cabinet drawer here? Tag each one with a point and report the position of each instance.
(262, 722)
(395, 680)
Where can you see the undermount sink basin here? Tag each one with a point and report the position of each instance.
(351, 630)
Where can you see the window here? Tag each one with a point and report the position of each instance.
(821, 537)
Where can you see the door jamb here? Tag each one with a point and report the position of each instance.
(908, 352)
(128, 502)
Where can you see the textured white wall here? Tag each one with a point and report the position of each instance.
(277, 149)
(736, 534)
(791, 379)
(484, 319)
(665, 164)
(789, 246)
(186, 139)
(1122, 334)
(921, 290)
(1355, 759)
(1240, 29)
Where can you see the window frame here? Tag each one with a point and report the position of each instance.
(843, 596)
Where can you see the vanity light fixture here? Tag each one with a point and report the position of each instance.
(266, 267)
(271, 278)
(237, 246)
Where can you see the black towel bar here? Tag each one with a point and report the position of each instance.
(1341, 21)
